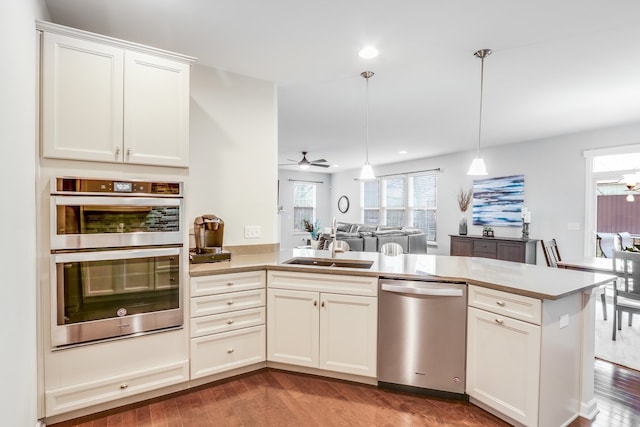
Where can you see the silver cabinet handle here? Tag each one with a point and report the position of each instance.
(129, 151)
(230, 283)
(230, 351)
(124, 386)
(230, 322)
(230, 302)
(315, 303)
(500, 303)
(499, 321)
(322, 305)
(117, 151)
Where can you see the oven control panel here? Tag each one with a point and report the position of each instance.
(73, 185)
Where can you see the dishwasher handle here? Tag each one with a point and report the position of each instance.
(432, 291)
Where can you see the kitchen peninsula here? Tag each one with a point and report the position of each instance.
(530, 333)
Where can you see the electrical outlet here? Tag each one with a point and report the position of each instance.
(251, 231)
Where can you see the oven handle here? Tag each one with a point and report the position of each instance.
(114, 255)
(114, 201)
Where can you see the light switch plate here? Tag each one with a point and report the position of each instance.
(252, 231)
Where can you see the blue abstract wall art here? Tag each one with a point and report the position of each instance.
(497, 202)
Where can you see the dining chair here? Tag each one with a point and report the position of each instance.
(551, 252)
(552, 257)
(626, 292)
(391, 249)
(607, 242)
(625, 240)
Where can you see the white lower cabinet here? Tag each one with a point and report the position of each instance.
(326, 330)
(81, 395)
(503, 364)
(91, 375)
(227, 322)
(523, 356)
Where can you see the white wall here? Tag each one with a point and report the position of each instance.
(18, 393)
(554, 173)
(289, 239)
(234, 153)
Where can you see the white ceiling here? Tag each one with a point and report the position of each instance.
(557, 66)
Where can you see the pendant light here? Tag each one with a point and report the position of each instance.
(367, 170)
(477, 165)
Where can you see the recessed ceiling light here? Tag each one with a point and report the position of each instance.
(335, 166)
(402, 152)
(368, 52)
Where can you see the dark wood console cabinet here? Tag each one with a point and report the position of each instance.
(503, 248)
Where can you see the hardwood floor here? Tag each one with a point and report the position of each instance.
(276, 398)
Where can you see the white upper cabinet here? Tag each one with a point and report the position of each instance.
(103, 100)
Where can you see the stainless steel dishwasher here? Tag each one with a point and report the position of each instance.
(422, 336)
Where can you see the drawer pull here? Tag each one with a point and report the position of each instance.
(124, 386)
(499, 321)
(230, 283)
(230, 351)
(315, 303)
(322, 304)
(230, 302)
(230, 321)
(500, 303)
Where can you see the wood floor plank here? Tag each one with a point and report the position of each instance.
(270, 398)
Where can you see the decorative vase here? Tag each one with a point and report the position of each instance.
(314, 244)
(462, 226)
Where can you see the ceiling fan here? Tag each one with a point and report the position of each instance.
(304, 163)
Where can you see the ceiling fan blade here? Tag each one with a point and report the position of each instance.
(287, 164)
(319, 161)
(319, 165)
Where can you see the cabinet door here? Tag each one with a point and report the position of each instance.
(156, 110)
(511, 251)
(503, 364)
(293, 332)
(348, 334)
(81, 99)
(461, 247)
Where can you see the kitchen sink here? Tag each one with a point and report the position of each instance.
(329, 262)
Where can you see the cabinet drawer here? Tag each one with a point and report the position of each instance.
(484, 248)
(215, 323)
(224, 303)
(80, 396)
(507, 304)
(229, 350)
(316, 282)
(219, 283)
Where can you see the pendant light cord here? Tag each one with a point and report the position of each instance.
(366, 115)
(481, 93)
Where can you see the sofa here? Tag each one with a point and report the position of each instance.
(369, 238)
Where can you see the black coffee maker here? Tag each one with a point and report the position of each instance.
(209, 231)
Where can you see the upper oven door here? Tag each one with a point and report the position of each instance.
(85, 222)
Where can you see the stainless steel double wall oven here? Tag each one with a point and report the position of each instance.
(116, 258)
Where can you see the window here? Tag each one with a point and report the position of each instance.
(407, 200)
(371, 202)
(423, 203)
(304, 204)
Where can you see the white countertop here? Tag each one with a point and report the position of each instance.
(523, 279)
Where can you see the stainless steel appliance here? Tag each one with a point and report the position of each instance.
(421, 336)
(209, 232)
(116, 258)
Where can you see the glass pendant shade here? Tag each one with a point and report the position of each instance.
(630, 198)
(367, 172)
(477, 167)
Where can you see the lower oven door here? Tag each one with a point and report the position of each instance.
(105, 294)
